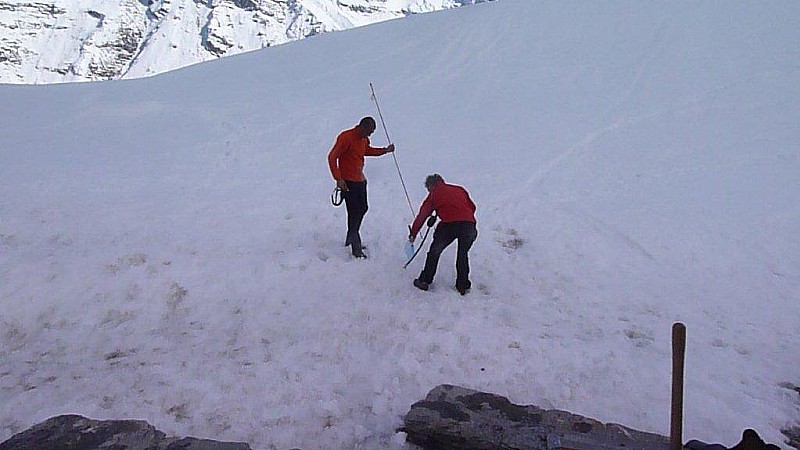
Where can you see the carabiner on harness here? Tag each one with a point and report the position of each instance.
(336, 196)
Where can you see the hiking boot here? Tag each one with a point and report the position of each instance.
(348, 243)
(463, 289)
(359, 254)
(421, 284)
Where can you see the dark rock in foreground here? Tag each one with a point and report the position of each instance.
(750, 441)
(456, 418)
(74, 432)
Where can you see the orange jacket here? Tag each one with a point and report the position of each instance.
(346, 158)
(451, 203)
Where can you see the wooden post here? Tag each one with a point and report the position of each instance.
(678, 357)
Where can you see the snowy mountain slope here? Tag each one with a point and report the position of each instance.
(169, 252)
(80, 40)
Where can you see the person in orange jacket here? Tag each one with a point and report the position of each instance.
(346, 161)
(456, 211)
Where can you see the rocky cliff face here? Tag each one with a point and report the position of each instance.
(83, 40)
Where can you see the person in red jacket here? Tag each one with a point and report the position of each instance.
(346, 161)
(457, 214)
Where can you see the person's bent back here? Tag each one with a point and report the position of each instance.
(456, 210)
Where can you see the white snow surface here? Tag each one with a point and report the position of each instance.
(169, 252)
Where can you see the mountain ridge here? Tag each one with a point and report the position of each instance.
(90, 40)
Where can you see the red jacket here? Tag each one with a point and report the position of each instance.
(451, 203)
(346, 158)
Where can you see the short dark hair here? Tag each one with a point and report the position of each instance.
(368, 122)
(431, 180)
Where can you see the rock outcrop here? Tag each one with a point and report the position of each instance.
(72, 432)
(457, 418)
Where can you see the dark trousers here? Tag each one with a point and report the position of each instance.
(355, 199)
(445, 234)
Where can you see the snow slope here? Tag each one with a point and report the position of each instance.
(168, 251)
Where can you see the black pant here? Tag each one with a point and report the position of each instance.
(445, 234)
(355, 198)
